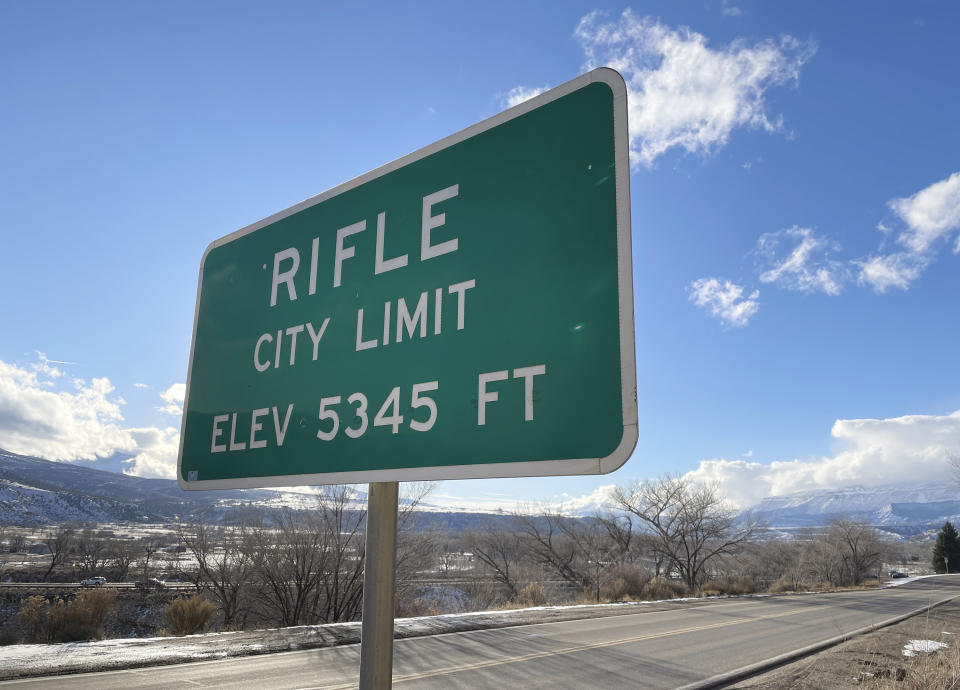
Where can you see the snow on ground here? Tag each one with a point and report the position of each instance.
(914, 647)
(904, 580)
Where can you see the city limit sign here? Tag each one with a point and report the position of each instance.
(465, 311)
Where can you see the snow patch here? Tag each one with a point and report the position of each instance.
(914, 647)
(906, 580)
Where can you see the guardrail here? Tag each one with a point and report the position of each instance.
(77, 585)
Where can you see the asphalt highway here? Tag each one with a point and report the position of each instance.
(656, 649)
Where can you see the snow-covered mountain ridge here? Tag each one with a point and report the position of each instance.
(34, 491)
(920, 506)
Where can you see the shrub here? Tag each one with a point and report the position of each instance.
(740, 584)
(615, 589)
(33, 617)
(66, 621)
(93, 605)
(662, 588)
(625, 581)
(187, 616)
(80, 619)
(732, 584)
(532, 595)
(785, 583)
(711, 588)
(411, 608)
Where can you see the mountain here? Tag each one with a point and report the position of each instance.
(34, 491)
(37, 492)
(40, 492)
(899, 509)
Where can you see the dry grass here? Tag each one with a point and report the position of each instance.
(80, 618)
(786, 583)
(935, 671)
(733, 585)
(624, 583)
(412, 608)
(662, 588)
(187, 616)
(533, 594)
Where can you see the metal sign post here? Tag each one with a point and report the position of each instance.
(379, 575)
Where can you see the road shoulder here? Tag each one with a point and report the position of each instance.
(875, 659)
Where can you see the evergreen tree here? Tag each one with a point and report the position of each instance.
(947, 550)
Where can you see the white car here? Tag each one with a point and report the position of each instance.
(93, 581)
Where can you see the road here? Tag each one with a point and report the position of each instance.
(656, 649)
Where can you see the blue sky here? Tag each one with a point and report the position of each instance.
(795, 209)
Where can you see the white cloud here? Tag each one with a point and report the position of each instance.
(725, 300)
(930, 216)
(599, 500)
(173, 397)
(80, 425)
(519, 94)
(156, 453)
(807, 267)
(140, 385)
(682, 93)
(84, 423)
(879, 452)
(730, 10)
(44, 368)
(884, 271)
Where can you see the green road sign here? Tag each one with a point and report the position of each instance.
(465, 311)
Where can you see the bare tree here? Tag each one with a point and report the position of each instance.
(122, 553)
(148, 547)
(821, 558)
(416, 547)
(859, 548)
(290, 558)
(576, 549)
(60, 542)
(549, 546)
(224, 566)
(691, 523)
(340, 595)
(623, 537)
(18, 542)
(769, 561)
(501, 552)
(92, 552)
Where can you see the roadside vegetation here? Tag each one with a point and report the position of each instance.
(662, 539)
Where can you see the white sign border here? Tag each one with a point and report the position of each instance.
(534, 468)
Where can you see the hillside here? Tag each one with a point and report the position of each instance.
(40, 492)
(34, 491)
